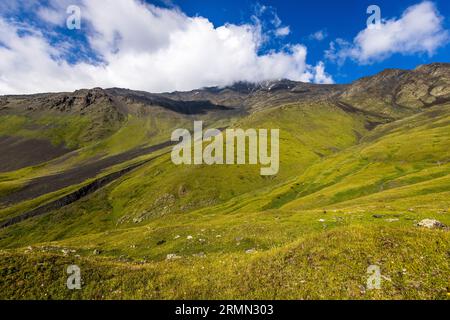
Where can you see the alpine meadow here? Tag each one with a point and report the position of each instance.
(226, 159)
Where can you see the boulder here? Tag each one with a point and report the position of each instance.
(431, 224)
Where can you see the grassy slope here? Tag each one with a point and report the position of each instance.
(161, 188)
(89, 139)
(297, 256)
(412, 153)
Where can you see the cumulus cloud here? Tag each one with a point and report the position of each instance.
(143, 47)
(28, 63)
(419, 30)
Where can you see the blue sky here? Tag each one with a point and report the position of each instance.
(166, 45)
(340, 19)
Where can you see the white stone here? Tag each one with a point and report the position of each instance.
(430, 224)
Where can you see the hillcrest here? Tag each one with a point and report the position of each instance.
(229, 149)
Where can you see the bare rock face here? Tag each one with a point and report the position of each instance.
(395, 93)
(79, 101)
(387, 96)
(391, 94)
(431, 224)
(427, 85)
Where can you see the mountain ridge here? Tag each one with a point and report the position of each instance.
(398, 88)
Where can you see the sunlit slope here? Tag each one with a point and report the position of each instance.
(98, 123)
(267, 255)
(409, 157)
(309, 133)
(270, 241)
(78, 139)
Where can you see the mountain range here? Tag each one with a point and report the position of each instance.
(86, 179)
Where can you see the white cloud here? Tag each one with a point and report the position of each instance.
(54, 13)
(51, 16)
(28, 64)
(319, 35)
(320, 76)
(268, 23)
(283, 31)
(419, 30)
(145, 47)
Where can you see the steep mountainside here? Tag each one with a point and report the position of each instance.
(396, 93)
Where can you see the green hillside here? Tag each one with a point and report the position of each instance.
(360, 166)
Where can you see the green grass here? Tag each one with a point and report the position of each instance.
(327, 264)
(344, 199)
(67, 130)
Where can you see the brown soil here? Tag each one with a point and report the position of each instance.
(70, 198)
(17, 153)
(43, 185)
